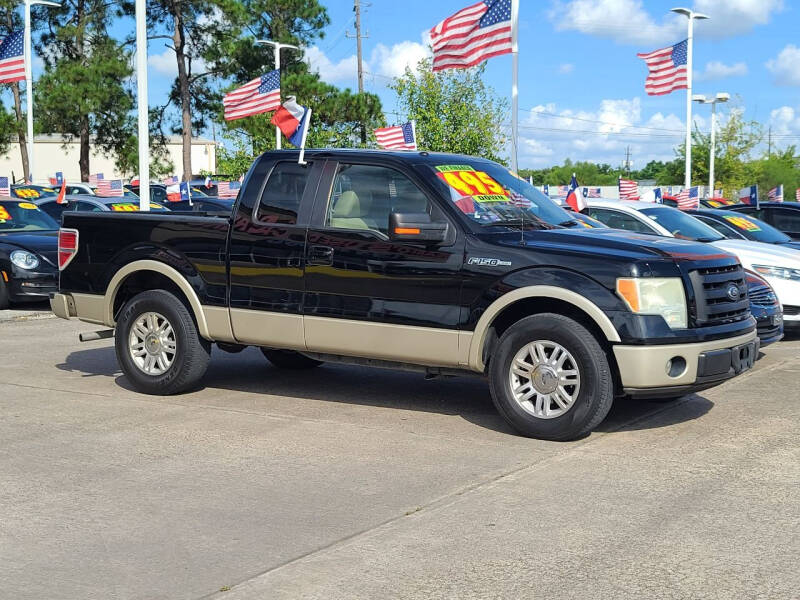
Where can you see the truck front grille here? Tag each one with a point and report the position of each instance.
(713, 304)
(762, 295)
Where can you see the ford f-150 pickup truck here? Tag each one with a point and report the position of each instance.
(440, 263)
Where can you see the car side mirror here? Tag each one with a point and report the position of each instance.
(416, 227)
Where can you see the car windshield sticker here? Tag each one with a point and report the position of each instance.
(124, 207)
(4, 216)
(27, 205)
(26, 193)
(154, 205)
(743, 223)
(470, 183)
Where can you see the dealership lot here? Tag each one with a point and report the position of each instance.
(357, 483)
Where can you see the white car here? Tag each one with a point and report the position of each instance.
(778, 265)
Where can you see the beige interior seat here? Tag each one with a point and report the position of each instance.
(349, 212)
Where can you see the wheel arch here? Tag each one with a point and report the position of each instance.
(159, 271)
(512, 306)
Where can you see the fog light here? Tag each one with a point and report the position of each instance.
(676, 366)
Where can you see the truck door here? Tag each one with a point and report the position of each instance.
(267, 253)
(368, 295)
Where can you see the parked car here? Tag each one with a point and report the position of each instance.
(28, 245)
(26, 191)
(779, 266)
(783, 216)
(81, 187)
(704, 202)
(738, 226)
(433, 262)
(82, 203)
(158, 192)
(766, 309)
(204, 204)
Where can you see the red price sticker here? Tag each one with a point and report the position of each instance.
(469, 182)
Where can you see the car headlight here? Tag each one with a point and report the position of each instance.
(24, 259)
(779, 272)
(656, 296)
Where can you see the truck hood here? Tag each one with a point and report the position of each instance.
(41, 243)
(758, 253)
(613, 241)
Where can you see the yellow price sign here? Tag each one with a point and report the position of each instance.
(743, 223)
(124, 207)
(27, 205)
(4, 216)
(26, 193)
(469, 182)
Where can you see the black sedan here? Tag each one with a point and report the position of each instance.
(25, 191)
(204, 204)
(738, 226)
(28, 252)
(92, 204)
(783, 216)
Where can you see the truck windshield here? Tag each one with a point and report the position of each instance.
(24, 216)
(491, 195)
(682, 225)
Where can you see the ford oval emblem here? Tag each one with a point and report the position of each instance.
(733, 292)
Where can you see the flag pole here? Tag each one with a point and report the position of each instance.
(514, 89)
(142, 106)
(300, 159)
(414, 132)
(277, 46)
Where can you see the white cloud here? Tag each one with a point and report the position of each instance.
(343, 70)
(164, 64)
(566, 68)
(629, 22)
(786, 66)
(392, 62)
(785, 120)
(716, 70)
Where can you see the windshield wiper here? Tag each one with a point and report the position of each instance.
(515, 223)
(570, 223)
(706, 240)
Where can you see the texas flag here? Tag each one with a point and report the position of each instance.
(185, 193)
(749, 195)
(174, 192)
(575, 199)
(292, 119)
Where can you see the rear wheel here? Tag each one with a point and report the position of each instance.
(158, 346)
(550, 378)
(289, 359)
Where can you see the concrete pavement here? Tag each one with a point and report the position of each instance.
(355, 483)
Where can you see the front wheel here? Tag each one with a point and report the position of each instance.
(550, 378)
(158, 346)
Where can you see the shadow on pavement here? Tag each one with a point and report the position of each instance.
(467, 397)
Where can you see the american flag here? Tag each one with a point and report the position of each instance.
(5, 188)
(262, 94)
(12, 58)
(797, 194)
(93, 179)
(667, 69)
(228, 189)
(110, 187)
(563, 190)
(170, 180)
(689, 198)
(591, 192)
(776, 193)
(397, 137)
(628, 190)
(472, 35)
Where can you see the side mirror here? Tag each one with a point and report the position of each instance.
(416, 227)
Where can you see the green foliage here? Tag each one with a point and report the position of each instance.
(82, 92)
(586, 172)
(234, 162)
(454, 110)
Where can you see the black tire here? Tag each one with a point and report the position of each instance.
(289, 359)
(595, 394)
(192, 353)
(4, 301)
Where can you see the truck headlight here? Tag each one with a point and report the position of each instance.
(656, 296)
(779, 272)
(24, 259)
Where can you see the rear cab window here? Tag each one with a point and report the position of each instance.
(283, 191)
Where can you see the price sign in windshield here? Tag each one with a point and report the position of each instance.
(4, 216)
(478, 185)
(124, 207)
(743, 223)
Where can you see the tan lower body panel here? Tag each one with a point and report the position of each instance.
(646, 366)
(91, 308)
(262, 328)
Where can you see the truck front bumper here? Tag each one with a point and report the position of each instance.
(673, 369)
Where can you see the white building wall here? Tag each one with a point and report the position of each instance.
(51, 155)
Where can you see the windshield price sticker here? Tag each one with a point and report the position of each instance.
(490, 198)
(26, 193)
(469, 182)
(743, 223)
(4, 216)
(27, 205)
(124, 207)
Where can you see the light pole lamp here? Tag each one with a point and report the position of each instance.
(277, 46)
(720, 97)
(29, 75)
(691, 16)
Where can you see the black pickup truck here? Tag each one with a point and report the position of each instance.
(440, 263)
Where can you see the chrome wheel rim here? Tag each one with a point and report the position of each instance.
(545, 379)
(152, 343)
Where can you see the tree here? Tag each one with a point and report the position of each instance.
(10, 21)
(454, 110)
(83, 92)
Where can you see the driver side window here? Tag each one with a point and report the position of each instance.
(363, 197)
(619, 220)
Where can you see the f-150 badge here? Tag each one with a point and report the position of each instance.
(488, 262)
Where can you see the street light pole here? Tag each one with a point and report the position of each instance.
(142, 105)
(29, 75)
(277, 46)
(691, 15)
(720, 97)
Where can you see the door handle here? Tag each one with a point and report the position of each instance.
(320, 255)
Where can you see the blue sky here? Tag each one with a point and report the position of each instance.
(581, 92)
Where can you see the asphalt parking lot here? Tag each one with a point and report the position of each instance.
(353, 483)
